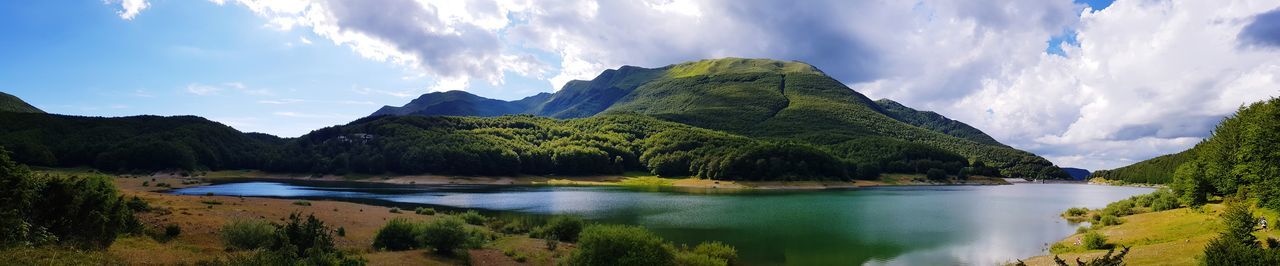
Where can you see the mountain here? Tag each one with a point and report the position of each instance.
(10, 103)
(1076, 173)
(936, 122)
(1158, 170)
(460, 103)
(770, 99)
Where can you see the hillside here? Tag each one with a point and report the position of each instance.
(936, 122)
(1240, 158)
(779, 100)
(10, 103)
(1158, 170)
(131, 143)
(1076, 173)
(459, 103)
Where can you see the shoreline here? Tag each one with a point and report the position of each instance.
(598, 180)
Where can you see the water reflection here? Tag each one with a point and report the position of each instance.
(974, 225)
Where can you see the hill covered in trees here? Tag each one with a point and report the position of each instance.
(137, 143)
(776, 100)
(1158, 170)
(10, 103)
(1240, 158)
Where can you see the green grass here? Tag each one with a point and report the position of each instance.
(647, 181)
(55, 256)
(1174, 237)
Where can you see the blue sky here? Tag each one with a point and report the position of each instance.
(1083, 88)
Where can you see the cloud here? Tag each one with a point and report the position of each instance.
(129, 8)
(1263, 31)
(202, 90)
(1140, 79)
(205, 89)
(451, 40)
(281, 101)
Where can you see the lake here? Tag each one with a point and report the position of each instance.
(936, 225)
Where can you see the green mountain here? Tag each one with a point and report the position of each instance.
(1158, 170)
(936, 122)
(10, 103)
(780, 101)
(459, 103)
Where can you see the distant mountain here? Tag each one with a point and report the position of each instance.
(460, 103)
(10, 103)
(1076, 173)
(755, 98)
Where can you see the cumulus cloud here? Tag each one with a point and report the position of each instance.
(129, 8)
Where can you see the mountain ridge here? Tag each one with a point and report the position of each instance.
(770, 99)
(10, 103)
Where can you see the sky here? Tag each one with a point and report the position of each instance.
(1093, 84)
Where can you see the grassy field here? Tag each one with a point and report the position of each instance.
(1172, 237)
(200, 218)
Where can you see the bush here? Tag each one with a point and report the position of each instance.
(342, 231)
(718, 250)
(424, 211)
(1109, 220)
(395, 210)
(1076, 211)
(472, 217)
(302, 203)
(563, 228)
(247, 234)
(936, 174)
(397, 234)
(444, 234)
(621, 245)
(1094, 240)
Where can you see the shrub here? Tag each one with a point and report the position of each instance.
(1076, 211)
(309, 237)
(302, 203)
(424, 211)
(695, 259)
(1082, 229)
(472, 217)
(397, 234)
(247, 234)
(138, 205)
(444, 234)
(395, 210)
(342, 231)
(621, 245)
(563, 228)
(1094, 240)
(717, 250)
(936, 174)
(172, 231)
(1109, 220)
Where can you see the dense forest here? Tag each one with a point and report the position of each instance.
(138, 143)
(1240, 158)
(1157, 170)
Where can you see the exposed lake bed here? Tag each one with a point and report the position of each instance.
(909, 225)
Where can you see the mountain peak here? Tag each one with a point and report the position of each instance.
(739, 65)
(10, 103)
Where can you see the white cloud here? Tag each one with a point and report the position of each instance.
(129, 8)
(281, 101)
(202, 90)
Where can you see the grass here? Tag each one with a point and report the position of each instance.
(56, 256)
(1173, 237)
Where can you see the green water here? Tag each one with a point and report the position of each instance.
(959, 225)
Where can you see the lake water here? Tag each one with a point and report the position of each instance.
(952, 225)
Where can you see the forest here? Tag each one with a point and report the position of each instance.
(507, 145)
(1239, 158)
